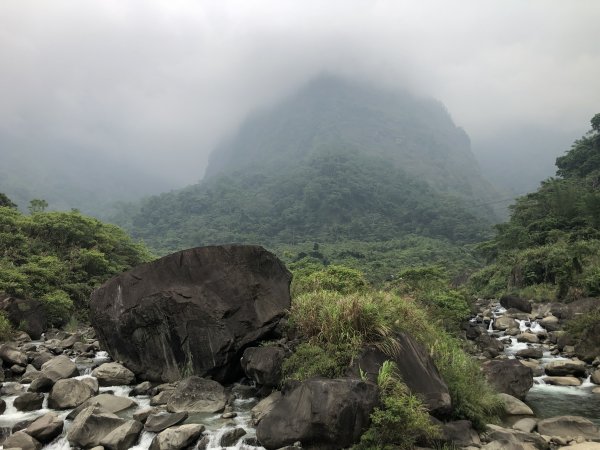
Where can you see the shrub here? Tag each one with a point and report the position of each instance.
(58, 307)
(332, 278)
(310, 360)
(5, 327)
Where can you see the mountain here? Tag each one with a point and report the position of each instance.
(336, 161)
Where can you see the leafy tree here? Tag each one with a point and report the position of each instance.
(6, 202)
(37, 205)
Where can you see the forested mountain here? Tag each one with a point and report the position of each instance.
(336, 162)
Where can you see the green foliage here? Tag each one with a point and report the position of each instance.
(59, 307)
(6, 202)
(37, 206)
(577, 326)
(311, 360)
(5, 327)
(331, 278)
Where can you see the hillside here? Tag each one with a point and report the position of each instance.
(336, 162)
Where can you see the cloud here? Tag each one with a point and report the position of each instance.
(160, 83)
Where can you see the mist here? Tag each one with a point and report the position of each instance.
(157, 85)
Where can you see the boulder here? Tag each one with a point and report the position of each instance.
(531, 352)
(29, 401)
(21, 440)
(328, 413)
(515, 437)
(141, 389)
(2, 406)
(526, 425)
(25, 314)
(191, 311)
(230, 437)
(177, 438)
(123, 437)
(263, 407)
(162, 397)
(588, 347)
(41, 384)
(39, 360)
(460, 433)
(143, 414)
(563, 381)
(10, 355)
(566, 367)
(263, 365)
(91, 425)
(156, 423)
(69, 393)
(11, 388)
(515, 407)
(59, 368)
(197, 395)
(509, 376)
(530, 338)
(568, 426)
(503, 323)
(510, 301)
(113, 374)
(107, 402)
(550, 323)
(582, 446)
(595, 377)
(92, 383)
(45, 428)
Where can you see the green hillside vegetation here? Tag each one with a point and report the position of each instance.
(60, 257)
(550, 247)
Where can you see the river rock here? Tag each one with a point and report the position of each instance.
(2, 406)
(45, 428)
(92, 383)
(530, 338)
(69, 393)
(41, 384)
(197, 395)
(526, 425)
(123, 437)
(531, 352)
(328, 413)
(509, 376)
(563, 381)
(22, 441)
(26, 314)
(264, 407)
(515, 407)
(263, 365)
(91, 425)
(42, 357)
(11, 388)
(566, 367)
(107, 402)
(504, 323)
(29, 401)
(595, 377)
(191, 311)
(510, 301)
(11, 355)
(588, 348)
(60, 368)
(159, 422)
(113, 374)
(460, 433)
(177, 438)
(582, 446)
(497, 433)
(566, 426)
(230, 437)
(143, 414)
(162, 398)
(550, 323)
(141, 389)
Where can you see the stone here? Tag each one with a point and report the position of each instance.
(197, 395)
(159, 422)
(515, 407)
(263, 365)
(2, 406)
(141, 389)
(29, 401)
(595, 377)
(264, 407)
(17, 370)
(27, 315)
(123, 437)
(535, 366)
(568, 426)
(45, 428)
(177, 438)
(526, 425)
(230, 437)
(143, 414)
(460, 433)
(21, 440)
(113, 374)
(497, 433)
(11, 355)
(550, 323)
(91, 425)
(92, 383)
(588, 347)
(41, 384)
(530, 338)
(563, 381)
(69, 342)
(509, 376)
(221, 299)
(328, 413)
(39, 360)
(510, 301)
(161, 398)
(531, 352)
(69, 393)
(107, 402)
(12, 388)
(504, 323)
(582, 446)
(567, 367)
(60, 368)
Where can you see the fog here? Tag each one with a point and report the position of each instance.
(158, 84)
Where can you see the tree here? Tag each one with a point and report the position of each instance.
(6, 202)
(37, 205)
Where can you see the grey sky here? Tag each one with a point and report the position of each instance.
(160, 82)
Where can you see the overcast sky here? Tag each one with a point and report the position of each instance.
(160, 82)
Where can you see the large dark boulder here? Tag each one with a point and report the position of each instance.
(320, 413)
(26, 314)
(191, 312)
(510, 301)
(509, 376)
(263, 365)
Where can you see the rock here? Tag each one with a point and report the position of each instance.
(29, 401)
(489, 345)
(509, 376)
(26, 314)
(563, 381)
(504, 445)
(515, 437)
(531, 338)
(596, 390)
(568, 426)
(220, 300)
(526, 425)
(161, 398)
(264, 407)
(582, 446)
(510, 301)
(17, 370)
(568, 367)
(12, 388)
(107, 402)
(60, 368)
(177, 438)
(197, 395)
(2, 406)
(263, 365)
(123, 437)
(159, 422)
(91, 425)
(11, 355)
(531, 352)
(141, 389)
(230, 437)
(21, 440)
(229, 415)
(92, 383)
(328, 413)
(588, 348)
(69, 393)
(550, 323)
(142, 415)
(69, 342)
(504, 323)
(460, 433)
(113, 374)
(595, 377)
(41, 384)
(45, 428)
(515, 407)
(39, 360)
